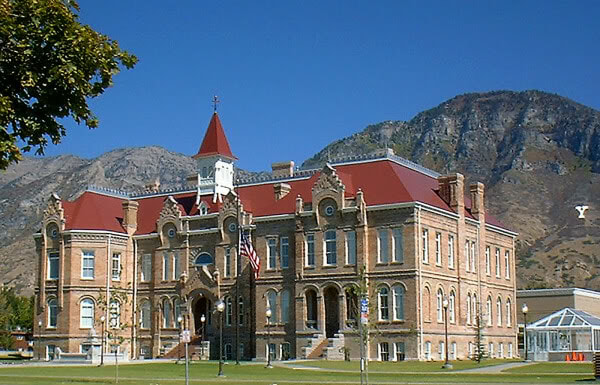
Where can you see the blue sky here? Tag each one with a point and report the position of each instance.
(294, 76)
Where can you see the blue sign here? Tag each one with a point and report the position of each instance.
(364, 306)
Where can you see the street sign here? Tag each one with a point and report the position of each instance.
(185, 336)
(364, 311)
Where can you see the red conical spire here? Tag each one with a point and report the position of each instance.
(215, 141)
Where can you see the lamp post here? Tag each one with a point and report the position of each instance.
(102, 319)
(220, 307)
(202, 321)
(525, 309)
(179, 319)
(445, 303)
(268, 313)
(39, 340)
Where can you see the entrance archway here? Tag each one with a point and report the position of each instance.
(332, 311)
(202, 307)
(311, 309)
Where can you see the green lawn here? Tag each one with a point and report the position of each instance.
(555, 367)
(250, 374)
(404, 366)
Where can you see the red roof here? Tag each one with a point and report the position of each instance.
(215, 141)
(93, 211)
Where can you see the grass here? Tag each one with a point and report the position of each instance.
(404, 366)
(555, 367)
(250, 374)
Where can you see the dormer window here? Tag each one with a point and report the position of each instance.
(203, 210)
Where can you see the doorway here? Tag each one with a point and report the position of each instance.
(332, 308)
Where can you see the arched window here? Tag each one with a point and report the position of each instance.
(166, 313)
(86, 314)
(384, 311)
(285, 306)
(351, 305)
(440, 307)
(114, 314)
(203, 259)
(427, 304)
(398, 302)
(508, 313)
(475, 309)
(241, 311)
(52, 313)
(468, 308)
(499, 311)
(311, 309)
(488, 309)
(452, 307)
(177, 308)
(272, 303)
(228, 311)
(145, 317)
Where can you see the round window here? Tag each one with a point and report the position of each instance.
(232, 227)
(54, 233)
(171, 233)
(329, 210)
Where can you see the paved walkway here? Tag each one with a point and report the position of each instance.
(496, 368)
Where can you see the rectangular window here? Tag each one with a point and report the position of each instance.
(351, 247)
(441, 350)
(87, 265)
(146, 267)
(330, 247)
(272, 251)
(468, 260)
(400, 351)
(428, 350)
(425, 242)
(451, 251)
(285, 252)
(510, 350)
(491, 349)
(473, 258)
(507, 264)
(310, 249)
(500, 350)
(176, 266)
(382, 246)
(166, 267)
(53, 265)
(487, 260)
(116, 267)
(438, 249)
(398, 245)
(384, 351)
(227, 262)
(453, 351)
(497, 263)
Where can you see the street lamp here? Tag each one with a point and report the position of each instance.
(179, 319)
(268, 313)
(447, 364)
(202, 321)
(102, 319)
(39, 340)
(525, 309)
(220, 307)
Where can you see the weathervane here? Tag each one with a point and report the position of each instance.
(215, 102)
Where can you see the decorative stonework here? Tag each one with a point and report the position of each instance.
(54, 212)
(328, 181)
(170, 213)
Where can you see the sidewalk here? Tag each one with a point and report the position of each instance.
(495, 368)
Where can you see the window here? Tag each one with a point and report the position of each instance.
(329, 210)
(228, 352)
(272, 303)
(86, 314)
(330, 247)
(285, 252)
(351, 247)
(453, 351)
(398, 245)
(203, 209)
(499, 312)
(451, 307)
(398, 302)
(146, 267)
(114, 314)
(475, 308)
(428, 350)
(228, 311)
(384, 351)
(487, 260)
(227, 262)
(310, 249)
(87, 265)
(468, 260)
(166, 314)
(507, 264)
(145, 317)
(440, 306)
(53, 265)
(508, 313)
(203, 259)
(52, 313)
(177, 308)
(241, 311)
(425, 245)
(473, 258)
(384, 312)
(468, 308)
(272, 253)
(116, 267)
(500, 350)
(166, 267)
(451, 251)
(441, 350)
(176, 266)
(285, 306)
(498, 263)
(400, 351)
(491, 349)
(438, 249)
(271, 353)
(510, 350)
(382, 246)
(471, 350)
(488, 308)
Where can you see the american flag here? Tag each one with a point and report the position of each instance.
(247, 250)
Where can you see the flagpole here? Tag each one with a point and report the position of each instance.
(237, 278)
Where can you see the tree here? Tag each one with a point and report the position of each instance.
(50, 65)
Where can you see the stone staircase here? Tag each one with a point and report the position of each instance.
(334, 351)
(315, 346)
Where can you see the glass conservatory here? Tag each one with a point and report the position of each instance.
(567, 335)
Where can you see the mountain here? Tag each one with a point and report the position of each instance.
(537, 153)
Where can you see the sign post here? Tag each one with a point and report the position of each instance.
(185, 337)
(364, 320)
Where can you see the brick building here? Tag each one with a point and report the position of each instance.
(414, 236)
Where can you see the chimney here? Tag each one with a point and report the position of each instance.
(130, 210)
(283, 169)
(281, 190)
(452, 191)
(153, 186)
(477, 202)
